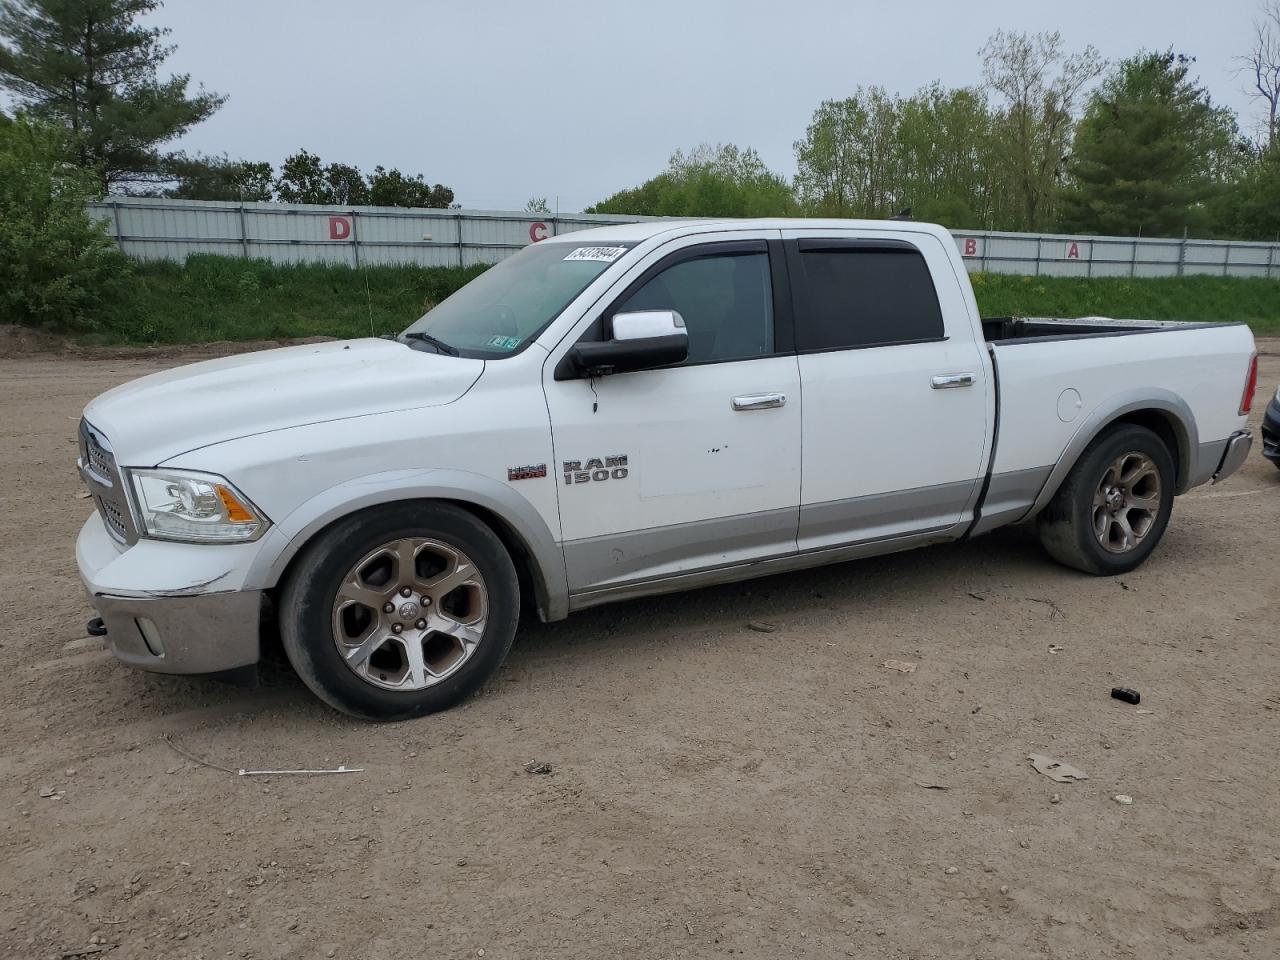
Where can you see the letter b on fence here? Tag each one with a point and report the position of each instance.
(970, 247)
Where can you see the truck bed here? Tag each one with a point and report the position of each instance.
(1011, 330)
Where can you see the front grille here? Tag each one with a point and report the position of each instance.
(100, 462)
(102, 476)
(115, 520)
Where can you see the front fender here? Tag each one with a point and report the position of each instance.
(283, 541)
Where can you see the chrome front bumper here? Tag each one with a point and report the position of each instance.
(161, 607)
(210, 633)
(1235, 455)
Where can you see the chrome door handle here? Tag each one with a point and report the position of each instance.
(949, 381)
(760, 401)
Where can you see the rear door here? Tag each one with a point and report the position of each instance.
(895, 392)
(684, 468)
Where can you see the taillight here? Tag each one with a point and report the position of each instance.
(1250, 386)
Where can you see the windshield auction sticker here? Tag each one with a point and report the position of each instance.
(605, 254)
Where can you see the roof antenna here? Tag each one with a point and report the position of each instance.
(368, 296)
(904, 215)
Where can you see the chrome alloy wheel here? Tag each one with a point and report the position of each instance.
(1126, 503)
(410, 613)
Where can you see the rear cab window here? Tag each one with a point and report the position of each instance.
(852, 294)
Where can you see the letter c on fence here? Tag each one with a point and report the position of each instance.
(537, 231)
(339, 228)
(970, 247)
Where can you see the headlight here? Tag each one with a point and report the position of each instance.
(196, 507)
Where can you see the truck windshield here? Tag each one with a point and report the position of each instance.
(502, 310)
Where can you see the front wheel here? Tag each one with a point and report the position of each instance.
(400, 611)
(1114, 506)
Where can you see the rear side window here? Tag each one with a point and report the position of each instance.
(862, 295)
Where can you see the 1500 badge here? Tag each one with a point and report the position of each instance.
(609, 468)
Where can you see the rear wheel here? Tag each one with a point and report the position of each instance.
(1114, 506)
(400, 611)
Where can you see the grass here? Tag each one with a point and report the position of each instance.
(221, 298)
(1163, 298)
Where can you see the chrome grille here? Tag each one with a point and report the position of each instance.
(102, 476)
(114, 518)
(100, 462)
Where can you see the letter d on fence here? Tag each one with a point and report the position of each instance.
(339, 228)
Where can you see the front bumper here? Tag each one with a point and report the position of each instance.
(1271, 432)
(182, 623)
(1237, 452)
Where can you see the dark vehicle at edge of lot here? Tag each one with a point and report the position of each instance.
(1271, 430)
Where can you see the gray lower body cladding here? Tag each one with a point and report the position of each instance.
(725, 549)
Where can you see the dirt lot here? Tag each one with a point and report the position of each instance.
(715, 790)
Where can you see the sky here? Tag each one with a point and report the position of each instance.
(503, 100)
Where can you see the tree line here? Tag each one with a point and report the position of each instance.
(91, 69)
(1051, 140)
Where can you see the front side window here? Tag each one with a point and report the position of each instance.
(726, 301)
(857, 296)
(508, 305)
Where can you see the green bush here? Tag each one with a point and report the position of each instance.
(58, 269)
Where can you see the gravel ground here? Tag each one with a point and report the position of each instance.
(714, 789)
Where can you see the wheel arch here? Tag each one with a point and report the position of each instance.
(1162, 412)
(537, 556)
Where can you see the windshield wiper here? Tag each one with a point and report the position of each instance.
(440, 345)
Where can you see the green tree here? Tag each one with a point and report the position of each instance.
(89, 66)
(302, 180)
(538, 205)
(846, 160)
(219, 178)
(345, 185)
(1150, 153)
(391, 188)
(57, 267)
(718, 180)
(1040, 87)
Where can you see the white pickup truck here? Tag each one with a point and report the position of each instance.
(622, 412)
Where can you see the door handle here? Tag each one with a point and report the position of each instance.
(760, 401)
(949, 381)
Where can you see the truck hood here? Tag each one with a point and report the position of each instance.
(155, 418)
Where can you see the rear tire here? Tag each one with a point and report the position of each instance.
(400, 611)
(1114, 506)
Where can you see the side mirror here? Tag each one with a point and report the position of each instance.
(641, 340)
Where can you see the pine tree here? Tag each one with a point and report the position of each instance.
(89, 66)
(1149, 152)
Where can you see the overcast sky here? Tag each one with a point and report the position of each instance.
(507, 99)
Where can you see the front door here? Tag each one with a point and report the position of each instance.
(666, 472)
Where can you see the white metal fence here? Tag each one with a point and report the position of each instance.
(151, 229)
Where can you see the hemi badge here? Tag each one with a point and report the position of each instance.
(527, 472)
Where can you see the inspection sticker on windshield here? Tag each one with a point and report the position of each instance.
(504, 343)
(606, 254)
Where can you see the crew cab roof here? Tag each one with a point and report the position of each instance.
(648, 229)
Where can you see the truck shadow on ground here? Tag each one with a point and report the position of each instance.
(955, 571)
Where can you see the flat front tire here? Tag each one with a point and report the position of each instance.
(401, 610)
(1114, 506)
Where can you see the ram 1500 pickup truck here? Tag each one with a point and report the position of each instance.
(621, 412)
